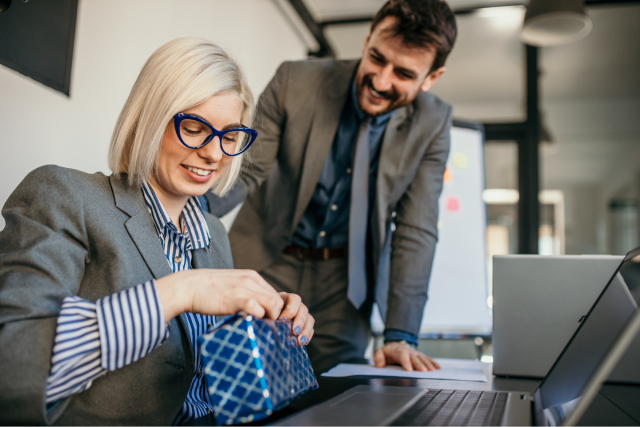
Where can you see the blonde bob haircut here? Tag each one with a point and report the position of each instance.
(179, 75)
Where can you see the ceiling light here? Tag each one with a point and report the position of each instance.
(499, 11)
(554, 22)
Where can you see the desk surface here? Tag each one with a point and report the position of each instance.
(622, 397)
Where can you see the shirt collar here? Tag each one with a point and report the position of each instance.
(192, 217)
(375, 121)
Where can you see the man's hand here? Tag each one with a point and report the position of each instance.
(397, 353)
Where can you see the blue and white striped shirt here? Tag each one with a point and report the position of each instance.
(92, 339)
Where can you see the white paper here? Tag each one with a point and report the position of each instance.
(451, 369)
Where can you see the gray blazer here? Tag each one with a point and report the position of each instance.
(71, 233)
(297, 120)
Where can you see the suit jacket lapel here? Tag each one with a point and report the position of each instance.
(140, 227)
(330, 103)
(130, 200)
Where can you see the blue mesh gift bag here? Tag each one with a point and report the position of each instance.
(253, 367)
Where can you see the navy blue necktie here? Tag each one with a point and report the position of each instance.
(358, 219)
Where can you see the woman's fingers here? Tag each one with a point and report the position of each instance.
(310, 336)
(274, 306)
(307, 330)
(271, 304)
(299, 320)
(302, 322)
(292, 304)
(222, 292)
(253, 307)
(258, 279)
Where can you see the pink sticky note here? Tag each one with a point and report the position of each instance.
(453, 204)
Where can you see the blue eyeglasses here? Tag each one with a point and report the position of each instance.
(195, 133)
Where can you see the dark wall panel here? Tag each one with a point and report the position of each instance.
(36, 39)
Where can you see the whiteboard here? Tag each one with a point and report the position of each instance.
(458, 291)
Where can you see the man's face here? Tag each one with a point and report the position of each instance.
(391, 74)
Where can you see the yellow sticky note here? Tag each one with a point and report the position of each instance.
(460, 160)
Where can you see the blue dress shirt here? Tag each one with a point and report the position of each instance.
(325, 222)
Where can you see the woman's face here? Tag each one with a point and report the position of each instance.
(184, 172)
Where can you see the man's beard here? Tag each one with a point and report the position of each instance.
(391, 95)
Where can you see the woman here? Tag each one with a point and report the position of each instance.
(106, 282)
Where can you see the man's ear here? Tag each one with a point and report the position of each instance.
(432, 78)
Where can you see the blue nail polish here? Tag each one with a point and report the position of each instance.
(303, 340)
(297, 330)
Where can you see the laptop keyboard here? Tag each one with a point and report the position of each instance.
(456, 408)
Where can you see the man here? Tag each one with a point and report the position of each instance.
(347, 152)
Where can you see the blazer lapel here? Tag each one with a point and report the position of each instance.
(140, 226)
(330, 103)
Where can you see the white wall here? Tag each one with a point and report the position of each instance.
(114, 38)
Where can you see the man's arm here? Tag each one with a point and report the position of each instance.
(270, 119)
(413, 247)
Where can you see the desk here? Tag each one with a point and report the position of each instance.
(605, 409)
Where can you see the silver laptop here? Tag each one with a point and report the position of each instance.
(594, 350)
(537, 302)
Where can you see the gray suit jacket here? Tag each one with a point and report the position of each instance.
(71, 233)
(297, 120)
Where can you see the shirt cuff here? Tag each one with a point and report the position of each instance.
(131, 325)
(391, 335)
(75, 359)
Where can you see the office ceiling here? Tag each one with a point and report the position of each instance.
(487, 61)
(332, 9)
(590, 89)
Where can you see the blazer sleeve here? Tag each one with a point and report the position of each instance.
(270, 120)
(43, 251)
(414, 240)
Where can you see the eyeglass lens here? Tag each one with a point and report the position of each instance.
(194, 134)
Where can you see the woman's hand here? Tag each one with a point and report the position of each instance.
(223, 292)
(302, 321)
(219, 292)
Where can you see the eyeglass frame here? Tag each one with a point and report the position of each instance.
(178, 118)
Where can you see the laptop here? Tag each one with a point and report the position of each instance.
(604, 334)
(537, 302)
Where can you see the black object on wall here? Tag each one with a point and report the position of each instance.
(36, 39)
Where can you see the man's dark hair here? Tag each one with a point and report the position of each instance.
(421, 23)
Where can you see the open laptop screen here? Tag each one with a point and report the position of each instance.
(601, 330)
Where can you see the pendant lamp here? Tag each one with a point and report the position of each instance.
(4, 5)
(554, 22)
